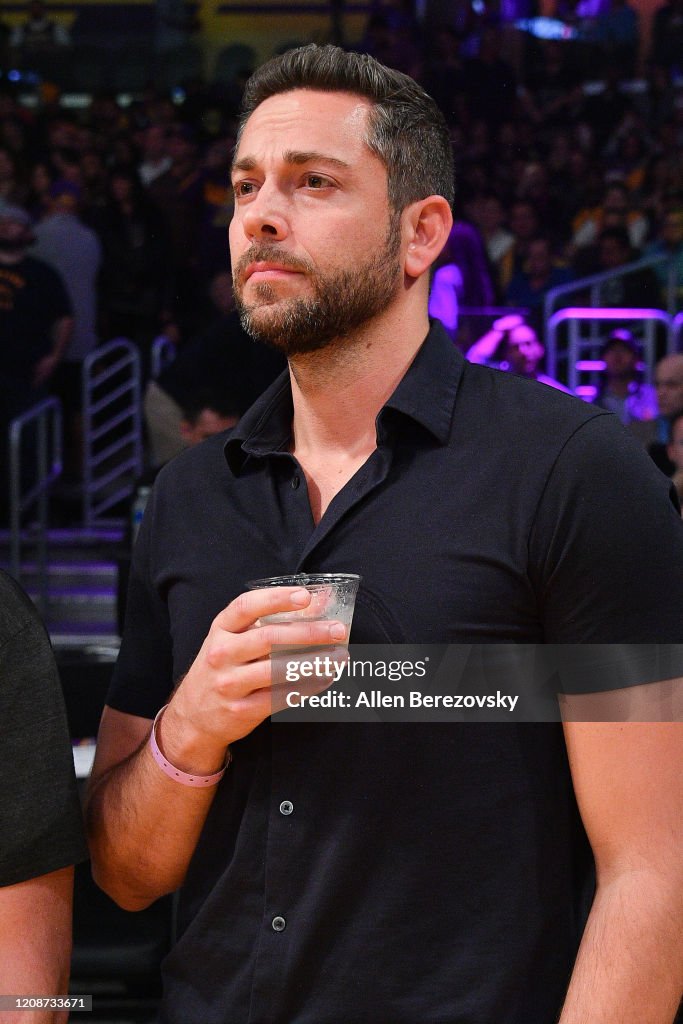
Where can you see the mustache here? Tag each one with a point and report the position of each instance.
(269, 254)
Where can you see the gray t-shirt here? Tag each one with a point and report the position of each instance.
(40, 815)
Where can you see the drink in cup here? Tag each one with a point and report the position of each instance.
(333, 596)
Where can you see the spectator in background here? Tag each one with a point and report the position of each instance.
(36, 324)
(637, 288)
(513, 346)
(222, 356)
(674, 451)
(670, 243)
(74, 251)
(669, 387)
(540, 274)
(524, 225)
(156, 160)
(36, 317)
(616, 211)
(135, 294)
(622, 389)
(179, 194)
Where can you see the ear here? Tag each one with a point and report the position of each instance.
(427, 225)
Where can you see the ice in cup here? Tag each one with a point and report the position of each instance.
(333, 596)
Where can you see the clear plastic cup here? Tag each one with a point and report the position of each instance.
(333, 596)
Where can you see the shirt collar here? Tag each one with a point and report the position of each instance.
(426, 394)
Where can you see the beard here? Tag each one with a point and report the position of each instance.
(342, 301)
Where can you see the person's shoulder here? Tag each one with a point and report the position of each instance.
(504, 397)
(195, 466)
(16, 609)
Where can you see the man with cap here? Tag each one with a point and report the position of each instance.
(622, 389)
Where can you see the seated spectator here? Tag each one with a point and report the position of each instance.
(622, 389)
(489, 216)
(11, 189)
(615, 212)
(674, 450)
(513, 346)
(669, 387)
(670, 243)
(634, 289)
(524, 224)
(539, 275)
(222, 354)
(156, 160)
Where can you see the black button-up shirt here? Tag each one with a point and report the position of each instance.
(400, 873)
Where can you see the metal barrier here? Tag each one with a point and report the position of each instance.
(565, 363)
(677, 332)
(595, 282)
(112, 430)
(35, 462)
(163, 353)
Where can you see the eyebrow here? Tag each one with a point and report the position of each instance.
(298, 157)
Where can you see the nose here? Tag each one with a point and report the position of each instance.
(265, 216)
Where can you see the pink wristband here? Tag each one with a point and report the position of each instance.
(175, 773)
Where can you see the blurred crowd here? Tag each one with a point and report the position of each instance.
(569, 161)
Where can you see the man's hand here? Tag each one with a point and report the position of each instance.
(228, 690)
(144, 826)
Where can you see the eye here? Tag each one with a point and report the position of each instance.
(317, 181)
(243, 188)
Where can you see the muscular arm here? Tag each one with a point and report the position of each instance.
(628, 778)
(144, 826)
(35, 942)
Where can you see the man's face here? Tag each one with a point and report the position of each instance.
(620, 361)
(523, 351)
(612, 254)
(314, 246)
(539, 262)
(669, 385)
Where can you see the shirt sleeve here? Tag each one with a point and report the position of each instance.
(606, 546)
(40, 813)
(142, 679)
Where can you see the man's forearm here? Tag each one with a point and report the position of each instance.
(143, 829)
(630, 964)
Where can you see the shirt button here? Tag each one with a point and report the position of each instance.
(295, 481)
(286, 807)
(278, 924)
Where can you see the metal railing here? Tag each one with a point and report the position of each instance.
(112, 430)
(595, 282)
(35, 462)
(162, 355)
(564, 362)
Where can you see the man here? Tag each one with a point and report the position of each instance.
(513, 346)
(40, 816)
(669, 388)
(622, 389)
(394, 873)
(35, 326)
(539, 275)
(74, 251)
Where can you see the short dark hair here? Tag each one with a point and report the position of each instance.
(405, 128)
